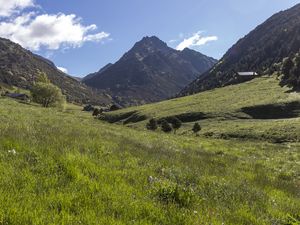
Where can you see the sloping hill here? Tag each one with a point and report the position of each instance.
(151, 71)
(258, 109)
(92, 75)
(19, 67)
(269, 43)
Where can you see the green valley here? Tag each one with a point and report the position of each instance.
(258, 109)
(191, 118)
(65, 167)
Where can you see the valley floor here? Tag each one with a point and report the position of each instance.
(64, 167)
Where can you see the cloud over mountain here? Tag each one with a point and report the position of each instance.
(195, 40)
(9, 7)
(62, 69)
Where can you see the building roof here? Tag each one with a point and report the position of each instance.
(17, 95)
(247, 74)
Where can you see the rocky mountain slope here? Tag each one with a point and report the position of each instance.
(269, 43)
(151, 71)
(19, 67)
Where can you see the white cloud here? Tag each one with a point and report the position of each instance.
(173, 41)
(9, 7)
(196, 40)
(62, 69)
(49, 31)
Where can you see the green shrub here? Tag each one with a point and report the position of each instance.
(42, 78)
(171, 193)
(291, 72)
(152, 124)
(114, 107)
(88, 108)
(196, 128)
(165, 126)
(288, 64)
(96, 112)
(48, 95)
(176, 124)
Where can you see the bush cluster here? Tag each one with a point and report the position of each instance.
(170, 124)
(47, 94)
(171, 193)
(291, 72)
(152, 124)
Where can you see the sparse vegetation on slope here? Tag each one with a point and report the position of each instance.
(68, 168)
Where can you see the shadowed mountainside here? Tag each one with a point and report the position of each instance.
(266, 45)
(151, 71)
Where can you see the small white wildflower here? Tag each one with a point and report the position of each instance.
(13, 151)
(195, 212)
(150, 179)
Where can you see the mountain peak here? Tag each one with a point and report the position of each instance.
(150, 38)
(190, 51)
(151, 42)
(149, 72)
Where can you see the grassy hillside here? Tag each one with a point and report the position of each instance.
(68, 168)
(258, 109)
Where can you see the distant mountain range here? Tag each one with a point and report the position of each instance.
(19, 67)
(151, 71)
(266, 45)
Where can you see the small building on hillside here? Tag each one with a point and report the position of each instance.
(18, 96)
(247, 74)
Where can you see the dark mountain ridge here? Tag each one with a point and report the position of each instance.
(149, 72)
(269, 43)
(19, 67)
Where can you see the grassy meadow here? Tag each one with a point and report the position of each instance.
(65, 167)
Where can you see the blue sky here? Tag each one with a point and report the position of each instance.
(84, 35)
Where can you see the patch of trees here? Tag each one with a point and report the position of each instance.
(291, 72)
(165, 126)
(169, 125)
(196, 128)
(88, 108)
(176, 124)
(97, 112)
(152, 124)
(115, 107)
(47, 94)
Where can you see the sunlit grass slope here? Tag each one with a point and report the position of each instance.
(68, 168)
(237, 111)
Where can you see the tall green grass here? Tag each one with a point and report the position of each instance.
(64, 167)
